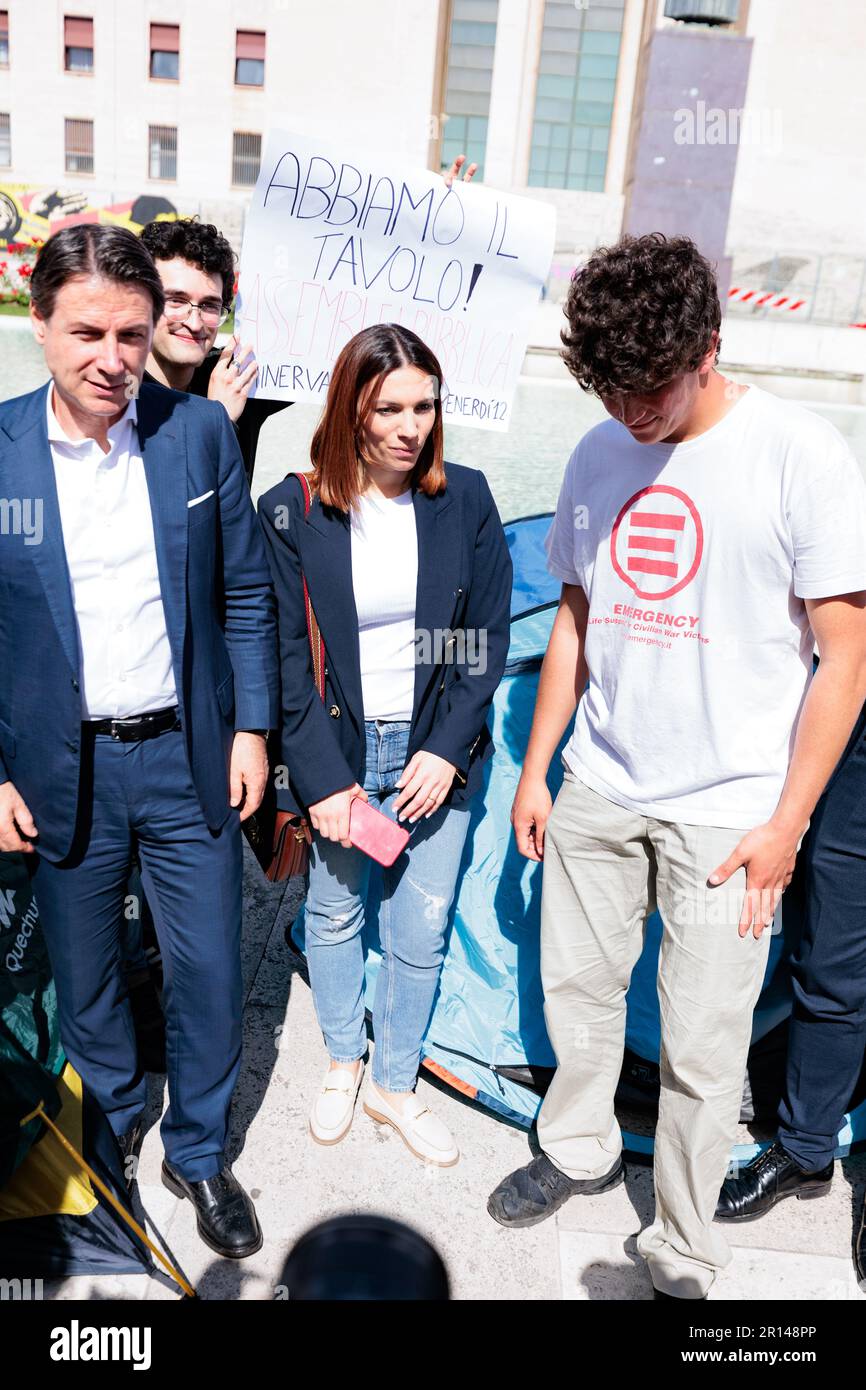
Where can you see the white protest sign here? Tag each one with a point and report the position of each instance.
(338, 239)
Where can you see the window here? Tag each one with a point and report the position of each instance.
(246, 158)
(574, 94)
(249, 59)
(467, 89)
(79, 147)
(77, 44)
(5, 141)
(4, 38)
(162, 144)
(165, 52)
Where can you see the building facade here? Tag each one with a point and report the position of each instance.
(172, 100)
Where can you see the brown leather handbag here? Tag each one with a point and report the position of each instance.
(279, 840)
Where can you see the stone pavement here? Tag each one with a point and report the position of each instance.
(800, 1251)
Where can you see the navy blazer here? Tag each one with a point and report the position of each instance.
(464, 582)
(216, 592)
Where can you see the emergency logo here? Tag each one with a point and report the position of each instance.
(657, 542)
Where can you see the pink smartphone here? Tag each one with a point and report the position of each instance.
(372, 831)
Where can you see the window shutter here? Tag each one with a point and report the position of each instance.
(77, 33)
(250, 45)
(165, 38)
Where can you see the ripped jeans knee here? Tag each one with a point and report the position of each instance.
(331, 925)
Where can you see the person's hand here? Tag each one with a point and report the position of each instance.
(229, 384)
(454, 172)
(768, 854)
(424, 784)
(248, 772)
(530, 810)
(330, 817)
(15, 821)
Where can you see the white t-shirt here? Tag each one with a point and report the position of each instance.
(385, 581)
(696, 559)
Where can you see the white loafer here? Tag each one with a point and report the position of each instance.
(422, 1132)
(331, 1116)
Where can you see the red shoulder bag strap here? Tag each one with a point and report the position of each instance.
(317, 646)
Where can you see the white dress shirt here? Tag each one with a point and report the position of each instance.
(111, 557)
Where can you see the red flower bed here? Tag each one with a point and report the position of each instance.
(15, 273)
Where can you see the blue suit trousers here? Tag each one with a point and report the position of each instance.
(142, 795)
(828, 1023)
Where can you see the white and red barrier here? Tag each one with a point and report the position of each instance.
(764, 299)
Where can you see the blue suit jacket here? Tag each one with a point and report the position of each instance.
(216, 592)
(464, 582)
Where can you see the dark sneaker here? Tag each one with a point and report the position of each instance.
(769, 1178)
(860, 1245)
(533, 1193)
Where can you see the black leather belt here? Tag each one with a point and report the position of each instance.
(135, 727)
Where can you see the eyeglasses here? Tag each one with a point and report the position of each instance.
(178, 308)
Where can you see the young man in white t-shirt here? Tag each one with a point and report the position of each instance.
(706, 535)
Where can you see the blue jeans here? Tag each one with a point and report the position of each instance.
(417, 891)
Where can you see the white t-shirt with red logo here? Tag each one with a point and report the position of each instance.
(696, 559)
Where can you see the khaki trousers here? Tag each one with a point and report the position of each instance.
(605, 869)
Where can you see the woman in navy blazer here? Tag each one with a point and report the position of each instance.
(409, 577)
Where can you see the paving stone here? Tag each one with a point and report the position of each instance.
(586, 1252)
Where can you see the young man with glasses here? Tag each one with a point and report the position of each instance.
(197, 267)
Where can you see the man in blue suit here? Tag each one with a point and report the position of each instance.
(141, 618)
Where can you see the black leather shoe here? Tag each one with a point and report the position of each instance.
(860, 1245)
(129, 1145)
(771, 1176)
(225, 1215)
(531, 1194)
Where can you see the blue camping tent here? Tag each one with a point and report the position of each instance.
(487, 1036)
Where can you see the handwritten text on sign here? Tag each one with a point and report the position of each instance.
(336, 240)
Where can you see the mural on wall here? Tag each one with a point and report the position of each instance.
(31, 215)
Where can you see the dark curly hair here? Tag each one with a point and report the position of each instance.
(200, 243)
(639, 314)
